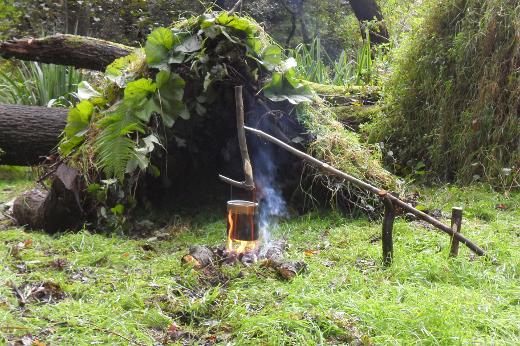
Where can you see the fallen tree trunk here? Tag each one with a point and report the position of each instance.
(78, 51)
(28, 134)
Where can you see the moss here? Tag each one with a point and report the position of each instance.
(367, 91)
(454, 96)
(355, 114)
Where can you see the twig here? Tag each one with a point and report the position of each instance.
(239, 184)
(235, 7)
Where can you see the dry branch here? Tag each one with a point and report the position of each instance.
(78, 51)
(382, 193)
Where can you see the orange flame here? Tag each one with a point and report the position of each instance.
(234, 245)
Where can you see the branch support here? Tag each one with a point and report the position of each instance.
(375, 190)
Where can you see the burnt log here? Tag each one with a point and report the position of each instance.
(57, 209)
(78, 51)
(289, 270)
(28, 134)
(199, 256)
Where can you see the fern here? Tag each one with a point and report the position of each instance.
(114, 147)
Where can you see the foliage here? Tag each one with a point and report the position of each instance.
(130, 21)
(136, 101)
(315, 65)
(32, 83)
(453, 98)
(123, 124)
(10, 15)
(119, 289)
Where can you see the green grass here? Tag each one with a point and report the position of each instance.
(14, 180)
(119, 288)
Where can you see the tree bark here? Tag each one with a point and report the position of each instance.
(78, 51)
(367, 11)
(57, 209)
(28, 134)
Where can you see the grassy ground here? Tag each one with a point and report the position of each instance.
(117, 290)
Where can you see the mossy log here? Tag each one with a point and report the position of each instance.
(345, 95)
(78, 51)
(355, 115)
(28, 134)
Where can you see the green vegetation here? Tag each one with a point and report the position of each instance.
(35, 84)
(120, 128)
(453, 98)
(315, 65)
(13, 181)
(117, 289)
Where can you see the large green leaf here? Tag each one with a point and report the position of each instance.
(289, 89)
(136, 92)
(148, 109)
(78, 119)
(236, 22)
(158, 46)
(171, 92)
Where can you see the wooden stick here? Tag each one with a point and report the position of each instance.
(248, 169)
(235, 7)
(239, 184)
(382, 193)
(456, 222)
(388, 224)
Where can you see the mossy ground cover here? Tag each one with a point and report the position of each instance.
(123, 290)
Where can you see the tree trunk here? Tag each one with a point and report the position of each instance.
(56, 209)
(366, 11)
(28, 134)
(78, 51)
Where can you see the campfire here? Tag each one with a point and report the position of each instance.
(244, 245)
(243, 242)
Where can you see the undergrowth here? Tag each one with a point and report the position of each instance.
(453, 98)
(36, 84)
(121, 290)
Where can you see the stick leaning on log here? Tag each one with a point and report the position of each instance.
(381, 193)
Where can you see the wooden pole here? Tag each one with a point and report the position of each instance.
(388, 224)
(248, 182)
(382, 193)
(456, 222)
(248, 169)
